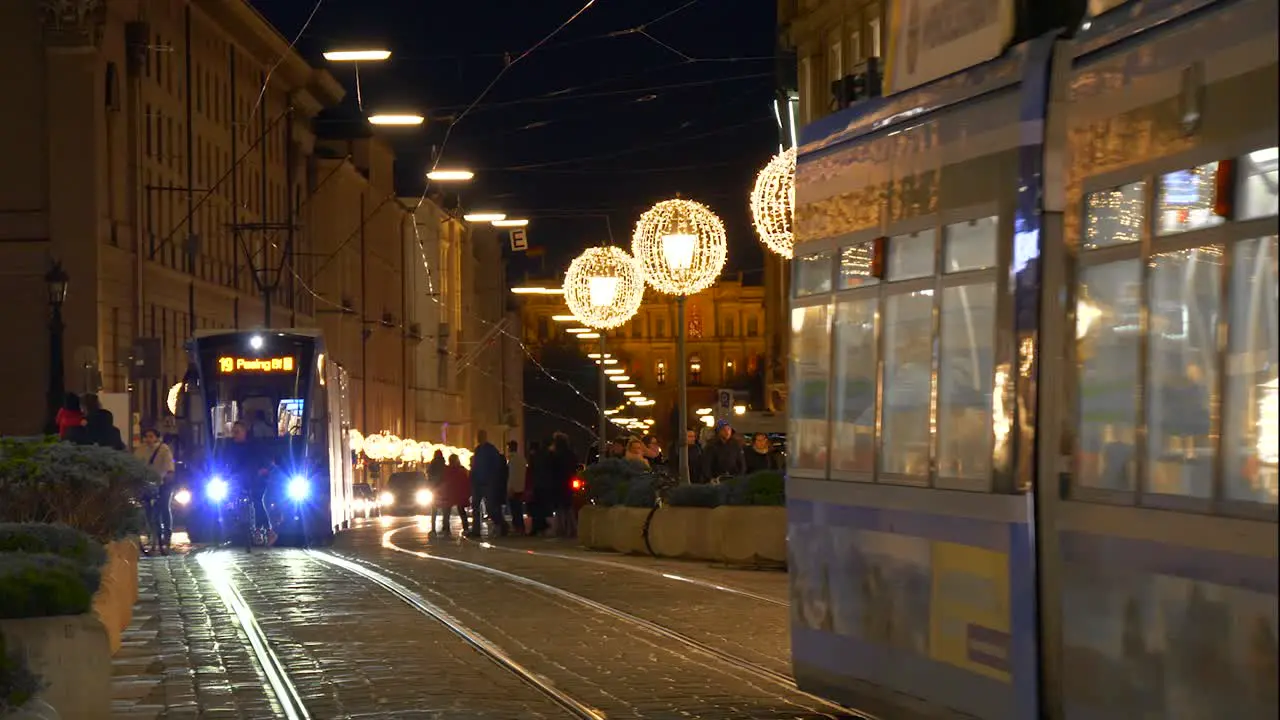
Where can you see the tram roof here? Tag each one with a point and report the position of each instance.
(280, 332)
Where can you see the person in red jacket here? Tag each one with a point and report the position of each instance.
(455, 493)
(69, 415)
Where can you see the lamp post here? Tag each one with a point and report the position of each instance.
(603, 289)
(57, 280)
(683, 248)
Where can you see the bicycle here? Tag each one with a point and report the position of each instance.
(663, 483)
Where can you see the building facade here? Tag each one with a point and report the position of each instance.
(832, 40)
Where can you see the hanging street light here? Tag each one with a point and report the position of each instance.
(396, 120)
(450, 176)
(603, 288)
(357, 56)
(773, 203)
(683, 248)
(483, 217)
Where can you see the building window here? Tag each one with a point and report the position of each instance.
(873, 26)
(855, 46)
(730, 369)
(660, 372)
(753, 326)
(730, 327)
(806, 90)
(660, 327)
(835, 59)
(695, 369)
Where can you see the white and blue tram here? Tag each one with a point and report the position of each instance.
(1033, 467)
(295, 402)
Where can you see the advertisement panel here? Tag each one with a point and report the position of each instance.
(930, 39)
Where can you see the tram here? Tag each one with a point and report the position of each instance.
(1033, 422)
(294, 401)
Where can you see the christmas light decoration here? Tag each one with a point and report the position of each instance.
(603, 288)
(773, 203)
(682, 246)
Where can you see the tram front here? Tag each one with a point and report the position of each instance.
(270, 383)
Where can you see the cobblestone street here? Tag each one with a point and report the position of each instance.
(219, 634)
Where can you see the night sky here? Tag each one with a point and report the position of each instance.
(600, 121)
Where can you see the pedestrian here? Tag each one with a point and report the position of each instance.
(99, 426)
(159, 458)
(562, 467)
(517, 469)
(637, 454)
(693, 449)
(455, 491)
(723, 455)
(760, 455)
(69, 415)
(488, 485)
(653, 451)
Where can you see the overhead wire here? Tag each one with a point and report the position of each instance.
(267, 82)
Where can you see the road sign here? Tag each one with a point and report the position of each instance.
(519, 241)
(724, 404)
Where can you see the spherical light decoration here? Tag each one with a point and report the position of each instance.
(604, 287)
(681, 245)
(357, 441)
(773, 203)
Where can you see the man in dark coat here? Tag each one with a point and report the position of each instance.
(488, 483)
(696, 470)
(723, 455)
(99, 429)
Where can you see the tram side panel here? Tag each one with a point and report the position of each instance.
(911, 569)
(1166, 535)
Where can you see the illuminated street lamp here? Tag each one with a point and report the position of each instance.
(483, 217)
(357, 56)
(510, 223)
(396, 120)
(683, 247)
(451, 176)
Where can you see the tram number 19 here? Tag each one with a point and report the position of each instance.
(226, 365)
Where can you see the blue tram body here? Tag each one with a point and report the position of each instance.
(1033, 467)
(294, 400)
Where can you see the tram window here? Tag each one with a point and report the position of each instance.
(855, 266)
(223, 416)
(965, 380)
(813, 274)
(853, 419)
(911, 256)
(1183, 309)
(970, 245)
(810, 377)
(1257, 195)
(1114, 217)
(290, 417)
(908, 356)
(1186, 200)
(1108, 307)
(1251, 408)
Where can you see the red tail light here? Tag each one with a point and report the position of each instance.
(577, 484)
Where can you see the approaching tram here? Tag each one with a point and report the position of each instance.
(281, 385)
(1033, 433)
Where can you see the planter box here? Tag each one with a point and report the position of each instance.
(626, 529)
(682, 532)
(114, 601)
(749, 535)
(592, 523)
(72, 656)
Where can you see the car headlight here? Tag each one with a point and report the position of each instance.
(298, 489)
(387, 499)
(217, 489)
(423, 497)
(182, 497)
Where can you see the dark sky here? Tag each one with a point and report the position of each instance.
(602, 120)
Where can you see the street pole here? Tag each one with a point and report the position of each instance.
(682, 431)
(604, 397)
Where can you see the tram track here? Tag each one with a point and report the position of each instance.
(755, 670)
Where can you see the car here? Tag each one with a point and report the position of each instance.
(365, 500)
(406, 493)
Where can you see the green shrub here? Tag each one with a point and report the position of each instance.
(609, 481)
(56, 539)
(639, 492)
(765, 487)
(704, 496)
(92, 489)
(43, 585)
(17, 683)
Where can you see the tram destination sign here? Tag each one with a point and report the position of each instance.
(255, 366)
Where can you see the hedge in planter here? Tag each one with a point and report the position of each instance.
(18, 684)
(694, 496)
(762, 488)
(43, 585)
(609, 481)
(54, 539)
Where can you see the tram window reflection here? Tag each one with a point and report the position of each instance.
(911, 255)
(1108, 307)
(853, 440)
(810, 379)
(1114, 217)
(1251, 408)
(908, 355)
(855, 266)
(1257, 195)
(970, 245)
(965, 379)
(1187, 199)
(813, 274)
(1183, 307)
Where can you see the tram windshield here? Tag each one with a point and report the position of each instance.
(266, 387)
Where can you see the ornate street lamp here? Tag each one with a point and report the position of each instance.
(603, 289)
(683, 248)
(56, 280)
(773, 203)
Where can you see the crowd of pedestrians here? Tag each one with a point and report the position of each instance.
(725, 454)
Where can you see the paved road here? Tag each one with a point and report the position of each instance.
(352, 649)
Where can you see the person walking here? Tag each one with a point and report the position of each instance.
(455, 491)
(723, 455)
(517, 468)
(760, 455)
(562, 465)
(159, 458)
(488, 485)
(435, 483)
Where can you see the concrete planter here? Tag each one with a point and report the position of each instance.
(592, 523)
(34, 710)
(682, 532)
(72, 655)
(114, 601)
(626, 529)
(749, 535)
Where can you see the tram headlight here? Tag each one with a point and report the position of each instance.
(423, 497)
(386, 499)
(298, 489)
(217, 489)
(182, 497)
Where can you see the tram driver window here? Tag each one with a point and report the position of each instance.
(810, 376)
(1257, 195)
(1251, 408)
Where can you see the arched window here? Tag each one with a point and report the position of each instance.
(660, 371)
(695, 369)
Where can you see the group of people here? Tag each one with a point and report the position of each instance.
(724, 455)
(536, 485)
